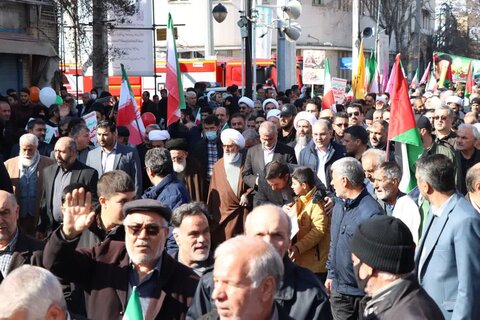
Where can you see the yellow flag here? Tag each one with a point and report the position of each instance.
(443, 72)
(358, 81)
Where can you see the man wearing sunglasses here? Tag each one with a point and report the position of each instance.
(443, 120)
(109, 272)
(355, 115)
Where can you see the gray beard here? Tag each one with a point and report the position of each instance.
(231, 157)
(302, 141)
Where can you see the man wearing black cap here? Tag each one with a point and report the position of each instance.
(383, 259)
(288, 133)
(187, 169)
(110, 271)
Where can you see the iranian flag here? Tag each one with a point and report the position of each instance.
(173, 83)
(328, 101)
(128, 112)
(403, 129)
(134, 308)
(425, 74)
(432, 82)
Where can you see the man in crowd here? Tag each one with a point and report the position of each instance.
(237, 122)
(223, 116)
(260, 155)
(23, 111)
(356, 141)
(447, 259)
(288, 132)
(303, 125)
(394, 202)
(353, 206)
(371, 159)
(111, 271)
(431, 145)
(209, 149)
(26, 174)
(466, 153)
(56, 177)
(81, 135)
(247, 273)
(340, 123)
(355, 115)
(158, 138)
(187, 169)
(166, 189)
(443, 121)
(383, 257)
(228, 195)
(473, 186)
(274, 185)
(110, 155)
(16, 248)
(313, 108)
(378, 132)
(300, 295)
(323, 152)
(44, 300)
(246, 106)
(192, 234)
(148, 105)
(38, 128)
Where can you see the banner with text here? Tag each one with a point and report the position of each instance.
(339, 87)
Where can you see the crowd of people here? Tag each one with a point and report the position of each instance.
(269, 208)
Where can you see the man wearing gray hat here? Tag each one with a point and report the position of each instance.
(383, 261)
(110, 271)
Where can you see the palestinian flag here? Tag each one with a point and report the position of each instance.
(128, 112)
(403, 129)
(173, 83)
(328, 100)
(134, 308)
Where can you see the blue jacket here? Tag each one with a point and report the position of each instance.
(170, 191)
(347, 215)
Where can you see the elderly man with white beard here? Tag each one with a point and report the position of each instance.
(303, 124)
(228, 197)
(187, 169)
(26, 173)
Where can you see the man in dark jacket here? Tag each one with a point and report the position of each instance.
(110, 271)
(323, 152)
(301, 295)
(383, 255)
(167, 189)
(16, 248)
(353, 206)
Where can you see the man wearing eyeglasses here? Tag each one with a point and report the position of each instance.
(109, 272)
(340, 123)
(355, 115)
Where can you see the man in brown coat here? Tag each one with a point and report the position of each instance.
(228, 194)
(26, 173)
(110, 271)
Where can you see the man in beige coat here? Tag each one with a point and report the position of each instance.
(26, 173)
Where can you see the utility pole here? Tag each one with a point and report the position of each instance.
(100, 49)
(248, 50)
(209, 48)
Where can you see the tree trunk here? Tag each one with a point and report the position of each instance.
(100, 49)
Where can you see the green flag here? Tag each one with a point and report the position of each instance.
(134, 308)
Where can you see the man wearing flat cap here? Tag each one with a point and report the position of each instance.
(383, 254)
(111, 270)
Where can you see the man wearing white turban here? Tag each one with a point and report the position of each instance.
(228, 196)
(303, 123)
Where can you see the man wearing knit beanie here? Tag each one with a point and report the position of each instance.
(383, 260)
